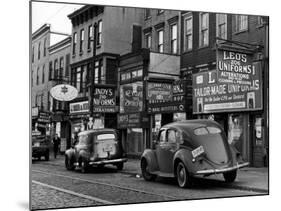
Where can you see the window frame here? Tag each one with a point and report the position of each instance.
(221, 22)
(239, 19)
(37, 76)
(74, 43)
(159, 45)
(43, 74)
(90, 37)
(99, 33)
(203, 29)
(82, 38)
(147, 13)
(148, 40)
(188, 33)
(38, 53)
(174, 41)
(45, 48)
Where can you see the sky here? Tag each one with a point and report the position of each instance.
(54, 14)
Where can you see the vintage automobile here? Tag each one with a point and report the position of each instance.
(95, 148)
(40, 147)
(191, 148)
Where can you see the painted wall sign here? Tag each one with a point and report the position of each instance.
(235, 68)
(79, 107)
(64, 92)
(104, 100)
(159, 92)
(135, 120)
(131, 97)
(210, 95)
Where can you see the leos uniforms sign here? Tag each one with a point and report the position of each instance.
(212, 94)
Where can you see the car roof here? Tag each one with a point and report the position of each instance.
(190, 125)
(100, 130)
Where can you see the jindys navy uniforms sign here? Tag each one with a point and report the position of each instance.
(104, 100)
(213, 92)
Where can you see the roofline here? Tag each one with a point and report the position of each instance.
(60, 44)
(41, 30)
(79, 11)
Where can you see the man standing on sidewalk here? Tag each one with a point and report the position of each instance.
(56, 143)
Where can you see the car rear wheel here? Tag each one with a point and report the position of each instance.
(230, 176)
(69, 164)
(120, 166)
(144, 170)
(183, 177)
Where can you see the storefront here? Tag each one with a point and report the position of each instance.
(232, 96)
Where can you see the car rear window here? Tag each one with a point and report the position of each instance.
(106, 136)
(84, 140)
(206, 130)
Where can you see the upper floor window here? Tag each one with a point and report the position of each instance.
(45, 47)
(56, 69)
(90, 36)
(241, 23)
(147, 13)
(174, 38)
(99, 72)
(221, 26)
(74, 42)
(148, 39)
(39, 46)
(78, 79)
(37, 76)
(81, 40)
(50, 70)
(99, 35)
(160, 46)
(43, 74)
(61, 68)
(160, 12)
(260, 21)
(188, 34)
(203, 29)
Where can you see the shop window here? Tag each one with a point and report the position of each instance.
(188, 34)
(174, 38)
(221, 24)
(203, 29)
(160, 46)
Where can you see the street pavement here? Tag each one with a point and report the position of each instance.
(249, 178)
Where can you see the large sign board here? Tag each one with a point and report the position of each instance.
(211, 94)
(166, 97)
(79, 107)
(104, 100)
(134, 120)
(131, 97)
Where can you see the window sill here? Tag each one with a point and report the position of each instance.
(80, 53)
(239, 32)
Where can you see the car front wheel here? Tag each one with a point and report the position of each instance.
(230, 176)
(144, 170)
(183, 177)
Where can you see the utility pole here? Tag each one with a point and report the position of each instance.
(92, 74)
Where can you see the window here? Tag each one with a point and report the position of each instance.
(221, 26)
(61, 68)
(148, 40)
(45, 47)
(160, 46)
(84, 78)
(37, 76)
(260, 21)
(81, 40)
(39, 46)
(43, 74)
(67, 61)
(188, 34)
(56, 69)
(78, 79)
(74, 43)
(162, 136)
(147, 13)
(90, 37)
(204, 29)
(171, 136)
(50, 70)
(99, 35)
(32, 54)
(241, 23)
(174, 38)
(160, 12)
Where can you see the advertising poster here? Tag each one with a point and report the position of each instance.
(212, 92)
(131, 97)
(104, 100)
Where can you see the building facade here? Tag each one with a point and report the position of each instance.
(225, 57)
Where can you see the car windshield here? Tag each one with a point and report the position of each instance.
(212, 141)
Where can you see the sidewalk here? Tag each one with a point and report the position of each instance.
(249, 178)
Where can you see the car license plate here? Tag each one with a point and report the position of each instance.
(37, 144)
(198, 151)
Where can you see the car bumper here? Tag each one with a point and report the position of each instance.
(223, 170)
(102, 162)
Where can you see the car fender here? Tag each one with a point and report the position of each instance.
(184, 155)
(83, 154)
(151, 159)
(70, 153)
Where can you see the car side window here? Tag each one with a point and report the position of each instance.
(171, 136)
(162, 136)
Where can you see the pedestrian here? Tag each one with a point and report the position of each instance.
(56, 143)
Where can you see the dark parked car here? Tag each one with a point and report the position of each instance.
(96, 148)
(40, 147)
(191, 148)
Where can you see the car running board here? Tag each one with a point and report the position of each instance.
(162, 174)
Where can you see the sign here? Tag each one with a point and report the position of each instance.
(44, 117)
(131, 97)
(104, 100)
(166, 97)
(211, 95)
(64, 92)
(79, 107)
(136, 120)
(235, 68)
